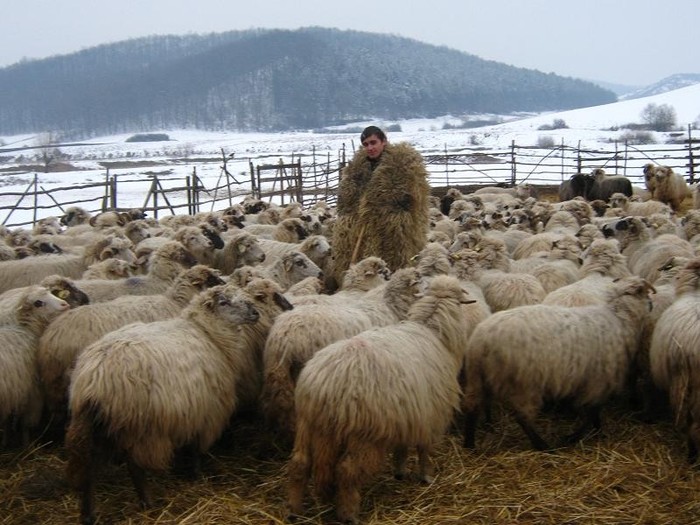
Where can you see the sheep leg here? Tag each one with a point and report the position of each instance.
(360, 461)
(470, 421)
(591, 422)
(399, 459)
(299, 473)
(138, 478)
(425, 466)
(526, 424)
(693, 440)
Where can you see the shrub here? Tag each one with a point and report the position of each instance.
(557, 123)
(637, 137)
(148, 137)
(545, 142)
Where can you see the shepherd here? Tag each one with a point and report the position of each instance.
(383, 201)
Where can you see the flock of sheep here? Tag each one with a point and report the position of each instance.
(122, 334)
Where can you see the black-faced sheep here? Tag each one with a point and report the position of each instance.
(523, 356)
(386, 389)
(146, 390)
(20, 391)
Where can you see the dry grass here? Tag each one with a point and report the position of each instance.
(635, 473)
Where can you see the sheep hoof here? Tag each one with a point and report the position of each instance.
(427, 479)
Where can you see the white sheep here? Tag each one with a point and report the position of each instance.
(602, 263)
(297, 335)
(674, 355)
(240, 249)
(315, 247)
(620, 201)
(364, 275)
(385, 389)
(62, 287)
(501, 290)
(150, 388)
(528, 354)
(650, 256)
(288, 230)
(21, 398)
(67, 336)
(109, 269)
(292, 268)
(14, 274)
(164, 265)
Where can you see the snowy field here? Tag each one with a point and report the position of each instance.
(189, 150)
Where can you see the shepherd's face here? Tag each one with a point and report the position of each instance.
(374, 146)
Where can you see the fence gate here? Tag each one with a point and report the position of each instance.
(278, 180)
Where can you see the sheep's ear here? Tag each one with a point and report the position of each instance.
(107, 253)
(288, 263)
(282, 302)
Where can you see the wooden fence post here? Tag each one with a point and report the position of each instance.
(113, 192)
(691, 160)
(513, 169)
(254, 192)
(36, 196)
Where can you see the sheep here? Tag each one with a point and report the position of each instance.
(315, 247)
(649, 171)
(501, 290)
(690, 224)
(109, 269)
(297, 335)
(524, 356)
(649, 257)
(670, 187)
(110, 218)
(292, 268)
(389, 388)
(578, 185)
(164, 266)
(288, 230)
(240, 249)
(147, 389)
(605, 185)
(14, 274)
(364, 275)
(602, 263)
(644, 209)
(645, 391)
(201, 240)
(20, 391)
(75, 216)
(673, 355)
(60, 286)
(64, 338)
(631, 233)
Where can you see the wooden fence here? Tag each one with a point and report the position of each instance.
(312, 177)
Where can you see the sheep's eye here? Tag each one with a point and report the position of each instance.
(38, 303)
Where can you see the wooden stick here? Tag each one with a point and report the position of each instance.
(356, 251)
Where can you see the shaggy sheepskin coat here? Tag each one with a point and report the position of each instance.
(389, 205)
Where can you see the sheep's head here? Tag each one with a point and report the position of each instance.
(65, 289)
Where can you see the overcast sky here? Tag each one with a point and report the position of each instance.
(633, 42)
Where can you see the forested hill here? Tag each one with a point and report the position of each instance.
(268, 79)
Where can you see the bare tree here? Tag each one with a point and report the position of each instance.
(661, 117)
